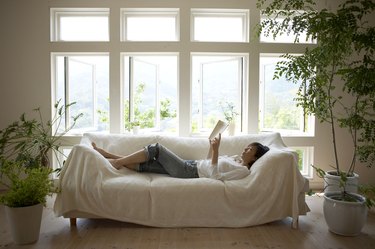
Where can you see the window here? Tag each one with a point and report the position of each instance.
(175, 69)
(277, 107)
(283, 37)
(150, 85)
(217, 83)
(218, 25)
(75, 24)
(83, 79)
(305, 160)
(150, 24)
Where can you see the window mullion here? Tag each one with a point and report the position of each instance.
(157, 99)
(241, 94)
(94, 98)
(131, 89)
(200, 105)
(66, 91)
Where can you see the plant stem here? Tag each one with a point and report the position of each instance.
(354, 137)
(333, 130)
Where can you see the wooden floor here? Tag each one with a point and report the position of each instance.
(312, 233)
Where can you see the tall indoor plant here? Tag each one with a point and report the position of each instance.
(31, 140)
(25, 172)
(336, 76)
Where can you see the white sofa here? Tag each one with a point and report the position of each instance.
(91, 188)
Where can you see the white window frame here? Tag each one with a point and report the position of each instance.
(307, 160)
(184, 46)
(242, 86)
(149, 12)
(242, 13)
(57, 13)
(54, 78)
(157, 93)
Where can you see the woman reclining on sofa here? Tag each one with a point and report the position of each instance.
(156, 158)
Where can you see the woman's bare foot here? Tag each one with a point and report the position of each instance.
(100, 150)
(115, 163)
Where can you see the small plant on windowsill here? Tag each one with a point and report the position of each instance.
(134, 126)
(229, 111)
(134, 123)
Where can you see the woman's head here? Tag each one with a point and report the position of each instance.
(253, 152)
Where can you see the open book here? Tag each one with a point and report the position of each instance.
(219, 128)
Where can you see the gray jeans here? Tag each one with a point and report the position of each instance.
(163, 161)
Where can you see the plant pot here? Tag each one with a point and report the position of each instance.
(136, 130)
(231, 128)
(24, 223)
(332, 183)
(343, 217)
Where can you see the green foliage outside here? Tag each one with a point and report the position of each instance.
(300, 157)
(144, 118)
(282, 118)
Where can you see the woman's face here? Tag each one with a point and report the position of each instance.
(248, 154)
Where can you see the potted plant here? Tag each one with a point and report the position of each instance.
(336, 79)
(135, 126)
(30, 140)
(25, 171)
(230, 114)
(27, 188)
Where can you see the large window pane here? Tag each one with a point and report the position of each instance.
(150, 24)
(75, 24)
(278, 109)
(85, 81)
(150, 85)
(217, 85)
(220, 25)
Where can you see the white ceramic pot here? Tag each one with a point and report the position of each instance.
(231, 128)
(332, 183)
(343, 217)
(136, 130)
(24, 223)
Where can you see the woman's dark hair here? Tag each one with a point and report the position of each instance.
(260, 151)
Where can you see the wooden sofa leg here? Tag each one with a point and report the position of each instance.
(295, 223)
(73, 222)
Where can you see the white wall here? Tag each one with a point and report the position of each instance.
(25, 71)
(24, 61)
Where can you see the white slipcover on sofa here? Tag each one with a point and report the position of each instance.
(91, 187)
